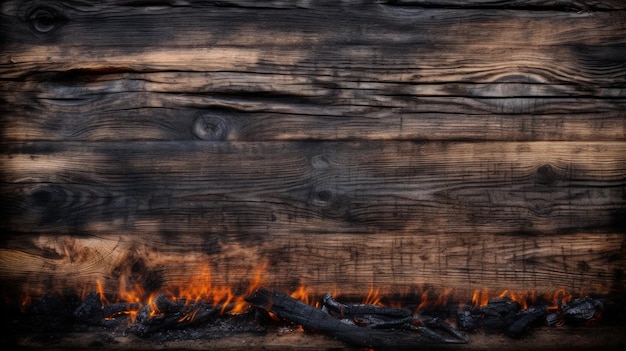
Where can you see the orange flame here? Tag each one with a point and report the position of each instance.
(232, 301)
(373, 297)
(136, 294)
(240, 305)
(480, 298)
(100, 291)
(424, 301)
(303, 294)
(558, 298)
(440, 301)
(154, 309)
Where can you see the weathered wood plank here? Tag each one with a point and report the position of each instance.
(563, 5)
(248, 106)
(362, 37)
(410, 73)
(537, 188)
(587, 263)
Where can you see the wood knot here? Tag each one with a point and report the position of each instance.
(45, 20)
(320, 162)
(330, 202)
(211, 127)
(322, 197)
(42, 197)
(49, 203)
(545, 175)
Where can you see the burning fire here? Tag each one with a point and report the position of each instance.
(228, 300)
(559, 297)
(303, 294)
(373, 297)
(524, 298)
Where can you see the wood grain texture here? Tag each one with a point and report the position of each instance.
(395, 214)
(346, 144)
(327, 71)
(321, 187)
(562, 5)
(395, 263)
(253, 107)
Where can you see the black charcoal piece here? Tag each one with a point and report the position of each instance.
(582, 310)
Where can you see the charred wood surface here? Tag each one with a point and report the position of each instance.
(344, 143)
(502, 315)
(525, 216)
(293, 70)
(358, 311)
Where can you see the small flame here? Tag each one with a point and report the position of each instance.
(440, 301)
(100, 291)
(373, 297)
(424, 301)
(257, 279)
(154, 309)
(302, 293)
(558, 298)
(240, 305)
(134, 294)
(524, 299)
(224, 296)
(561, 297)
(480, 298)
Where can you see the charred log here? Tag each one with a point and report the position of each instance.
(496, 316)
(111, 311)
(318, 320)
(504, 315)
(584, 310)
(53, 312)
(91, 311)
(163, 313)
(525, 319)
(361, 311)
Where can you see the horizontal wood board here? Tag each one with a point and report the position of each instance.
(343, 144)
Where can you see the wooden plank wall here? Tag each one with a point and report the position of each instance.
(402, 144)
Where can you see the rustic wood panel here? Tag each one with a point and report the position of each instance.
(326, 71)
(535, 215)
(563, 5)
(317, 187)
(222, 106)
(401, 144)
(350, 264)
